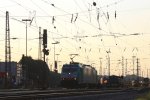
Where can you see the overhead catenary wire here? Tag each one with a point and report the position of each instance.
(101, 33)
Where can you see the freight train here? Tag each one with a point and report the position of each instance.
(77, 75)
(146, 82)
(114, 81)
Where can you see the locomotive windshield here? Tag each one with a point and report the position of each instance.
(69, 69)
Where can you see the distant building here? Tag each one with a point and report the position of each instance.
(4, 74)
(13, 69)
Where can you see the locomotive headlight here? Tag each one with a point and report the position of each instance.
(62, 78)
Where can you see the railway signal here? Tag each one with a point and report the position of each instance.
(45, 38)
(45, 51)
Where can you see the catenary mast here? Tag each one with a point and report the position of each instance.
(7, 46)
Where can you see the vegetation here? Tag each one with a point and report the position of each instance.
(35, 73)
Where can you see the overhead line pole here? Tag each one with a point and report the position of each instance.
(7, 51)
(26, 20)
(40, 38)
(126, 67)
(133, 58)
(122, 66)
(100, 69)
(138, 70)
(55, 66)
(108, 62)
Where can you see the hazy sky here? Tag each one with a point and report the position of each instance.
(121, 26)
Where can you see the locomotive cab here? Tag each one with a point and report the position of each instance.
(70, 75)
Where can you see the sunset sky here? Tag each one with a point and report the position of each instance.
(119, 26)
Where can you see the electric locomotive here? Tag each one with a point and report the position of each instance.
(75, 75)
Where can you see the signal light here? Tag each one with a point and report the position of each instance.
(45, 38)
(46, 51)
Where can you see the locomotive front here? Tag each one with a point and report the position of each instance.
(70, 75)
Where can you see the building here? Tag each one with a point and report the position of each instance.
(4, 75)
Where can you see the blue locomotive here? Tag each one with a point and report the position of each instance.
(75, 75)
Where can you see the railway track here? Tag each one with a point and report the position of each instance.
(44, 94)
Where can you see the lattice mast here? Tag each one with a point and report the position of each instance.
(40, 44)
(7, 45)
